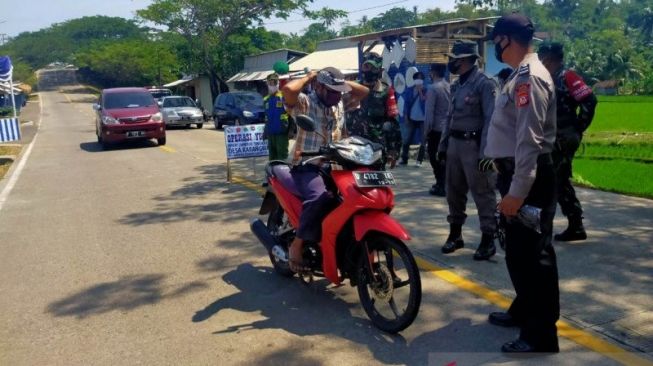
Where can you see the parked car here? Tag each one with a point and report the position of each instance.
(159, 93)
(238, 108)
(181, 111)
(128, 114)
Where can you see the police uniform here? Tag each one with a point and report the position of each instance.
(376, 119)
(520, 139)
(438, 102)
(576, 104)
(463, 140)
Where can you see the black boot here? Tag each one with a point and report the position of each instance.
(486, 248)
(574, 232)
(455, 239)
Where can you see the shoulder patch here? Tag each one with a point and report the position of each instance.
(524, 70)
(523, 92)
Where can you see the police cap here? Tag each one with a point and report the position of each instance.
(513, 24)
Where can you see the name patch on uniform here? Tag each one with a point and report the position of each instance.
(523, 94)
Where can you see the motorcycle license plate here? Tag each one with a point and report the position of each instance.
(374, 179)
(135, 133)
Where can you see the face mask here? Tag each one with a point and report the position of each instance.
(371, 76)
(498, 50)
(273, 89)
(453, 66)
(332, 98)
(419, 82)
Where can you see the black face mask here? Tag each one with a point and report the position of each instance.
(498, 50)
(453, 66)
(371, 76)
(329, 97)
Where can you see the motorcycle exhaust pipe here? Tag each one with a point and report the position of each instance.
(269, 242)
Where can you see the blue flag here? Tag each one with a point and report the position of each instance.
(5, 68)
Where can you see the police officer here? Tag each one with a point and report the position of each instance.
(520, 140)
(462, 146)
(575, 110)
(376, 117)
(438, 101)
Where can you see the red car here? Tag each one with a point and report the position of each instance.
(128, 114)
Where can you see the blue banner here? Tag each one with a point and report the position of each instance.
(5, 68)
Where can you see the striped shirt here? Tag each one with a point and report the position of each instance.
(330, 122)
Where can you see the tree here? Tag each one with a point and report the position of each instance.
(208, 24)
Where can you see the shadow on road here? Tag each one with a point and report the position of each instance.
(95, 147)
(125, 294)
(317, 310)
(179, 205)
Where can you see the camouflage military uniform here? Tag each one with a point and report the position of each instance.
(368, 121)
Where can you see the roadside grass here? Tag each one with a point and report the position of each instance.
(5, 163)
(617, 150)
(615, 175)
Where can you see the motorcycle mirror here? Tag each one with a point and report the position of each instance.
(305, 123)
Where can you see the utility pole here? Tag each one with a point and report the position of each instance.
(3, 38)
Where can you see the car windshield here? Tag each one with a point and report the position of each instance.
(127, 100)
(247, 99)
(160, 93)
(178, 102)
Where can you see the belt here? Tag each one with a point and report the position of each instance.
(507, 165)
(465, 135)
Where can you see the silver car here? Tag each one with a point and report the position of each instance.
(181, 111)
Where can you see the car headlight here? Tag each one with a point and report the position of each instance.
(248, 114)
(360, 154)
(156, 117)
(171, 113)
(108, 120)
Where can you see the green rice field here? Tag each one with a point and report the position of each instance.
(617, 150)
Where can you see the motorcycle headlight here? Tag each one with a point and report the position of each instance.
(248, 114)
(360, 154)
(157, 117)
(108, 120)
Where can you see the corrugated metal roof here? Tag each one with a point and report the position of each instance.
(345, 59)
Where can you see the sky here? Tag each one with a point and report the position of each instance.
(33, 15)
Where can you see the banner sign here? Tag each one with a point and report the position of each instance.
(245, 141)
(9, 129)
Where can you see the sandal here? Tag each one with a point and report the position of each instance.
(296, 266)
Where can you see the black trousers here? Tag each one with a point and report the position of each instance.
(531, 260)
(432, 143)
(569, 204)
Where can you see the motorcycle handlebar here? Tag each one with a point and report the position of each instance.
(310, 153)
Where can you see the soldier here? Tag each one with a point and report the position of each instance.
(462, 145)
(576, 105)
(438, 101)
(520, 140)
(376, 118)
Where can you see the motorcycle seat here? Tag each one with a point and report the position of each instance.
(281, 171)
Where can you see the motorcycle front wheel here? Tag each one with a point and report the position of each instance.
(389, 284)
(277, 220)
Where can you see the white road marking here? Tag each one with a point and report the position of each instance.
(21, 164)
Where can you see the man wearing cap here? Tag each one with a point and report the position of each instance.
(324, 105)
(277, 121)
(376, 118)
(462, 145)
(575, 109)
(520, 140)
(438, 102)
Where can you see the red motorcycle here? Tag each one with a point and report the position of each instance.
(360, 240)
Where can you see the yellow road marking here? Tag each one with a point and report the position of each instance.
(167, 149)
(565, 329)
(579, 336)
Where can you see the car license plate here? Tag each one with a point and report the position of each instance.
(135, 133)
(374, 179)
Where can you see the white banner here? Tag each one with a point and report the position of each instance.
(9, 129)
(245, 141)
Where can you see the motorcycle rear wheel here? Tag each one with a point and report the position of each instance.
(275, 222)
(387, 274)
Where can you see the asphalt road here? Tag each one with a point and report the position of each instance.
(142, 255)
